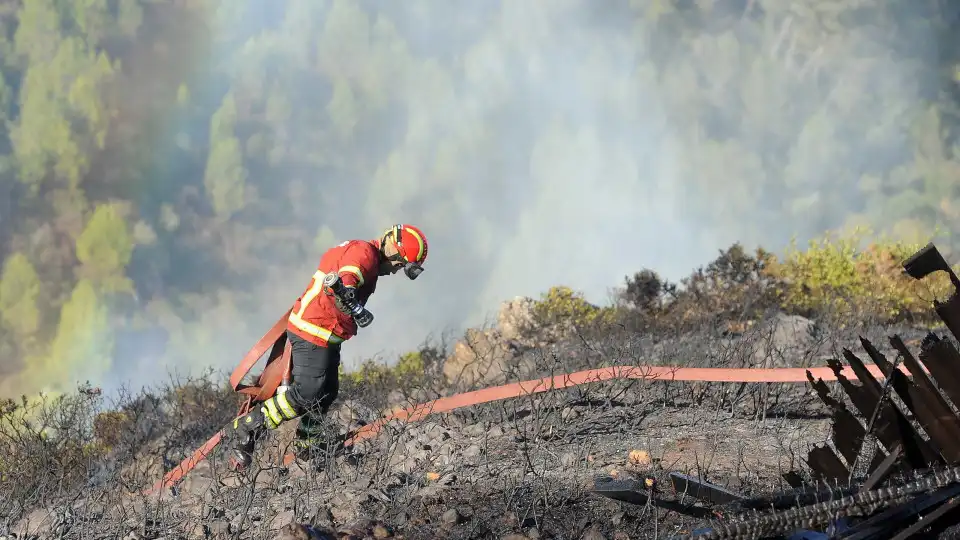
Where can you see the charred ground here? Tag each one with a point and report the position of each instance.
(73, 466)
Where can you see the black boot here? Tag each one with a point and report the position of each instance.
(245, 430)
(241, 455)
(310, 437)
(242, 434)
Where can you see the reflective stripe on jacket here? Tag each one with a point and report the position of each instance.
(315, 316)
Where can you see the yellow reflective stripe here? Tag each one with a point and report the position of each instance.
(285, 407)
(419, 241)
(310, 328)
(270, 407)
(312, 292)
(314, 330)
(353, 270)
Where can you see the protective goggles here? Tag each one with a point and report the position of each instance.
(412, 270)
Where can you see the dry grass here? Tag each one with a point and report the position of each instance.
(76, 463)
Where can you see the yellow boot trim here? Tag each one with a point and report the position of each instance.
(271, 415)
(285, 407)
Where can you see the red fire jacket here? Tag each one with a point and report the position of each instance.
(315, 316)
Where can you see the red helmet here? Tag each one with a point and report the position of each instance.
(411, 247)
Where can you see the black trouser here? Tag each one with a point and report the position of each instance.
(316, 375)
(315, 385)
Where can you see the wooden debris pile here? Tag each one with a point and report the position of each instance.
(892, 470)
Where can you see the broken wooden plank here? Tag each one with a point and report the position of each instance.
(892, 426)
(827, 465)
(935, 400)
(943, 361)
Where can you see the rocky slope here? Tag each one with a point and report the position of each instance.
(516, 469)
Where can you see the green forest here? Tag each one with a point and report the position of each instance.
(170, 170)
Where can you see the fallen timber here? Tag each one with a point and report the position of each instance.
(894, 468)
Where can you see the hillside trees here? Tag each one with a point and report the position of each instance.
(167, 163)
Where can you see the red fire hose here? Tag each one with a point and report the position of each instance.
(278, 366)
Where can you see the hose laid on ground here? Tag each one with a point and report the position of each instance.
(524, 388)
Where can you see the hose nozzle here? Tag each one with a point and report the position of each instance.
(347, 297)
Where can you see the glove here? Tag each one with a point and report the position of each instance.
(347, 304)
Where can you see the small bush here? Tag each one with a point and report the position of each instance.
(46, 444)
(834, 274)
(410, 367)
(833, 277)
(108, 426)
(562, 306)
(734, 286)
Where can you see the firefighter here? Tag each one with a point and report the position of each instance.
(320, 321)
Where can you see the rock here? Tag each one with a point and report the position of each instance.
(218, 528)
(515, 536)
(436, 431)
(400, 463)
(361, 483)
(281, 519)
(475, 430)
(352, 413)
(452, 517)
(569, 413)
(447, 479)
(197, 489)
(381, 531)
(472, 451)
(355, 530)
(515, 318)
(484, 356)
(783, 341)
(432, 494)
(322, 517)
(296, 531)
(342, 509)
(480, 358)
(445, 449)
(37, 523)
(423, 395)
(396, 397)
(568, 459)
(593, 533)
(195, 531)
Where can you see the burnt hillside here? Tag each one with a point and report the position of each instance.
(77, 465)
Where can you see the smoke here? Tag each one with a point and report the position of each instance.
(539, 144)
(614, 145)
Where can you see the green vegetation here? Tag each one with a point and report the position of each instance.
(153, 153)
(841, 275)
(845, 278)
(562, 305)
